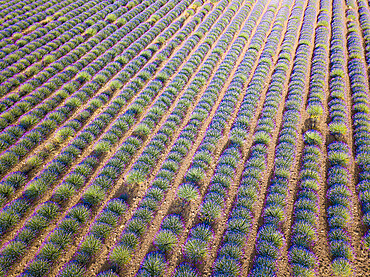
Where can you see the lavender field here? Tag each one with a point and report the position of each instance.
(184, 138)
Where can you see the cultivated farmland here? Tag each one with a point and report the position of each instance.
(184, 138)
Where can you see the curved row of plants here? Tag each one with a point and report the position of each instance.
(364, 18)
(360, 109)
(270, 236)
(304, 234)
